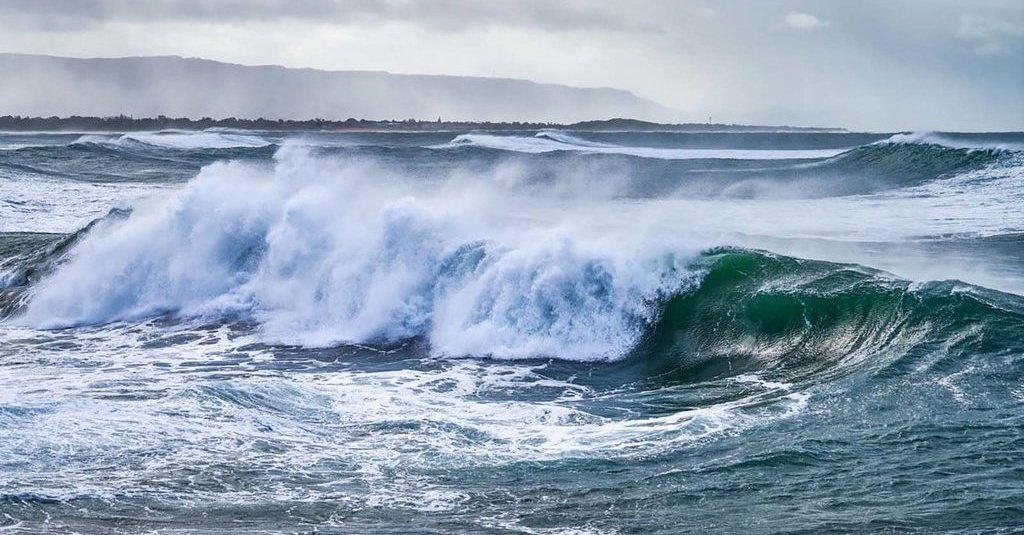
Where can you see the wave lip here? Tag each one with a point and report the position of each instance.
(1008, 141)
(552, 141)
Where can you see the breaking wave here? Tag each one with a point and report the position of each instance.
(999, 141)
(317, 261)
(320, 255)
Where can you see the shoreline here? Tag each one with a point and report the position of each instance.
(119, 124)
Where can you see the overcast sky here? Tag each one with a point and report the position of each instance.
(866, 64)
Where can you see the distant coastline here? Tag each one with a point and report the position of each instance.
(123, 123)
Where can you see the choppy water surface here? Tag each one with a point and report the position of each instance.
(528, 332)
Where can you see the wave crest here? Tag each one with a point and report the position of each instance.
(1004, 141)
(179, 140)
(552, 141)
(321, 256)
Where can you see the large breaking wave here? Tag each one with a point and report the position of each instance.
(320, 256)
(320, 252)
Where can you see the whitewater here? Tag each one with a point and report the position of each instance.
(511, 332)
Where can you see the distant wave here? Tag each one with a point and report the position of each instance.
(180, 140)
(551, 141)
(905, 161)
(564, 137)
(1009, 141)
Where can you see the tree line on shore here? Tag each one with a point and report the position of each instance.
(126, 123)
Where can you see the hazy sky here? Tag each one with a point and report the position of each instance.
(869, 64)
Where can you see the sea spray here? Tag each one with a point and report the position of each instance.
(322, 253)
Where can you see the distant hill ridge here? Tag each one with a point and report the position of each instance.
(123, 123)
(191, 87)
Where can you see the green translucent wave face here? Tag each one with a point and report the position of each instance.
(807, 320)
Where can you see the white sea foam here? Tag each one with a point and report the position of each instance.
(43, 204)
(9, 276)
(245, 398)
(547, 141)
(322, 253)
(312, 431)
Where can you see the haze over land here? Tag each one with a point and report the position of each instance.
(190, 87)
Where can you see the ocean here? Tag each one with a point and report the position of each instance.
(536, 332)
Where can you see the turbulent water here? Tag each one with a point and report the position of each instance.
(527, 332)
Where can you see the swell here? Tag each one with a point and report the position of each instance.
(758, 171)
(709, 167)
(862, 170)
(905, 164)
(104, 162)
(555, 141)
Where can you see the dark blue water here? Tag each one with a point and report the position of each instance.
(527, 332)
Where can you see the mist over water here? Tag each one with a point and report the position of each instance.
(526, 332)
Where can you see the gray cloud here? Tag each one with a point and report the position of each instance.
(446, 14)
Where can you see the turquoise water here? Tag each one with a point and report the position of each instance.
(528, 332)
